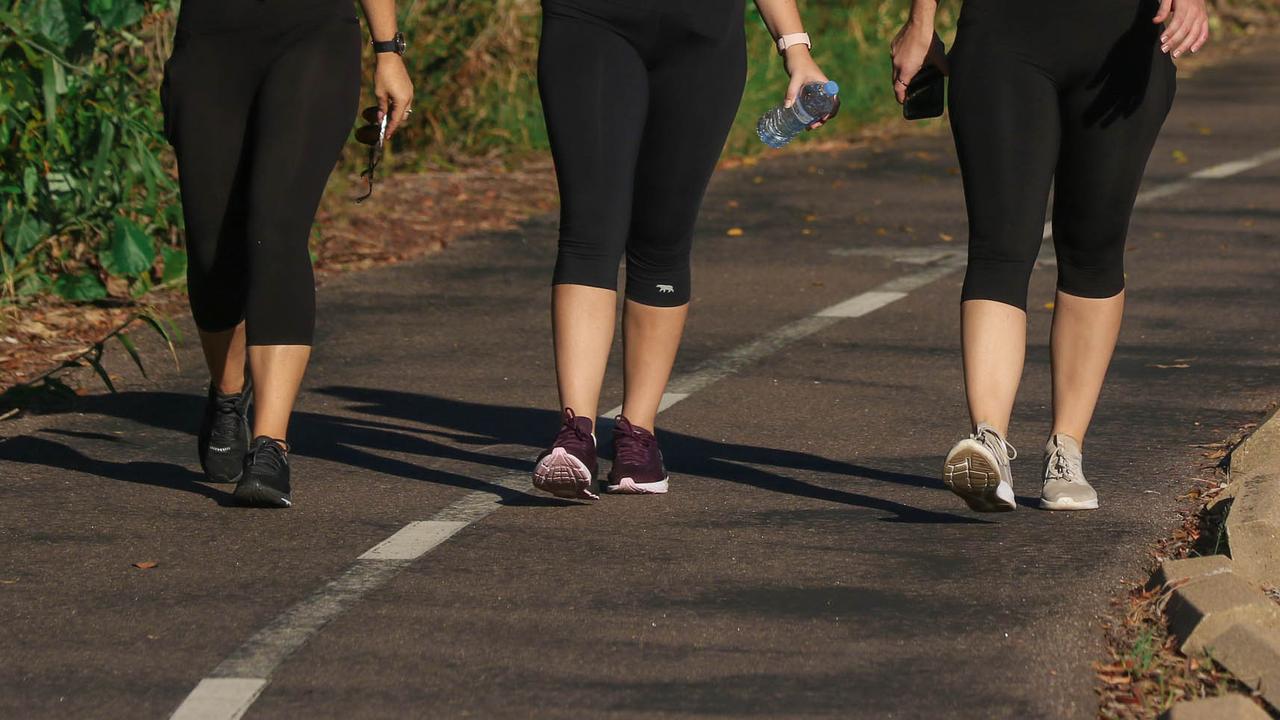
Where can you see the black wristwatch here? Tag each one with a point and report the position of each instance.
(394, 45)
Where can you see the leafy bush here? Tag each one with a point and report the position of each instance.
(87, 204)
(472, 63)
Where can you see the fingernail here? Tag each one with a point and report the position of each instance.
(1176, 54)
(1164, 38)
(1164, 48)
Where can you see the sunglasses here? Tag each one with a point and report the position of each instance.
(373, 134)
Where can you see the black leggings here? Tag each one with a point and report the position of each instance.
(1071, 95)
(639, 96)
(259, 98)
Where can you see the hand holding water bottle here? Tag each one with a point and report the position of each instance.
(817, 98)
(804, 71)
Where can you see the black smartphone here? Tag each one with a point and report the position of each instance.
(926, 95)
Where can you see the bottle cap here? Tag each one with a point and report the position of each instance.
(831, 88)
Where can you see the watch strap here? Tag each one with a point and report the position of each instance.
(394, 45)
(793, 39)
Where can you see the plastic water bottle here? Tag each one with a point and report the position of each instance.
(781, 125)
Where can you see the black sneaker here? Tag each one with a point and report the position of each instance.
(265, 482)
(224, 434)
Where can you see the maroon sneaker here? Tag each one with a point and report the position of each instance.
(568, 469)
(637, 461)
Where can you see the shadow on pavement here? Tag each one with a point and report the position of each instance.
(39, 451)
(486, 435)
(481, 424)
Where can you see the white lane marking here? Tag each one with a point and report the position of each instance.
(864, 304)
(916, 255)
(413, 540)
(255, 660)
(220, 699)
(668, 399)
(1235, 167)
(909, 254)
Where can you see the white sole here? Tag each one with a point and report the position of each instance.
(564, 476)
(627, 486)
(1068, 504)
(971, 471)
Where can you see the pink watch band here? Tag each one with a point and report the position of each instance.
(793, 39)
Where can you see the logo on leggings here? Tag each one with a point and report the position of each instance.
(666, 288)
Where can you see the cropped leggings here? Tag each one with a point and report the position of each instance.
(259, 98)
(638, 96)
(1068, 95)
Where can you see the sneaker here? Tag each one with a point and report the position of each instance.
(568, 468)
(1064, 485)
(265, 482)
(977, 469)
(224, 434)
(637, 461)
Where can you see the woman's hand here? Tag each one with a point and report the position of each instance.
(913, 46)
(803, 71)
(394, 89)
(1187, 30)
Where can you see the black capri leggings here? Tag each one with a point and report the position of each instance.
(259, 98)
(1044, 93)
(639, 96)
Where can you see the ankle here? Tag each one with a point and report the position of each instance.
(1077, 438)
(1001, 429)
(278, 442)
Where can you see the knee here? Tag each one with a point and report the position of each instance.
(1001, 279)
(589, 260)
(659, 277)
(217, 301)
(1091, 281)
(1092, 268)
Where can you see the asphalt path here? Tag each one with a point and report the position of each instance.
(808, 561)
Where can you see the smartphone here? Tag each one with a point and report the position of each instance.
(926, 95)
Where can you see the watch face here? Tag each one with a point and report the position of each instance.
(400, 44)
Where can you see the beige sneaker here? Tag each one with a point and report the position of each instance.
(1064, 485)
(977, 469)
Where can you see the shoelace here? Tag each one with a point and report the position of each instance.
(1061, 467)
(269, 454)
(226, 417)
(990, 438)
(571, 428)
(636, 449)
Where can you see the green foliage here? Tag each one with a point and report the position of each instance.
(129, 251)
(86, 189)
(473, 68)
(851, 45)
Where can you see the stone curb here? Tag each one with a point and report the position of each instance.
(1261, 450)
(1211, 608)
(1223, 707)
(1252, 653)
(1203, 606)
(1253, 522)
